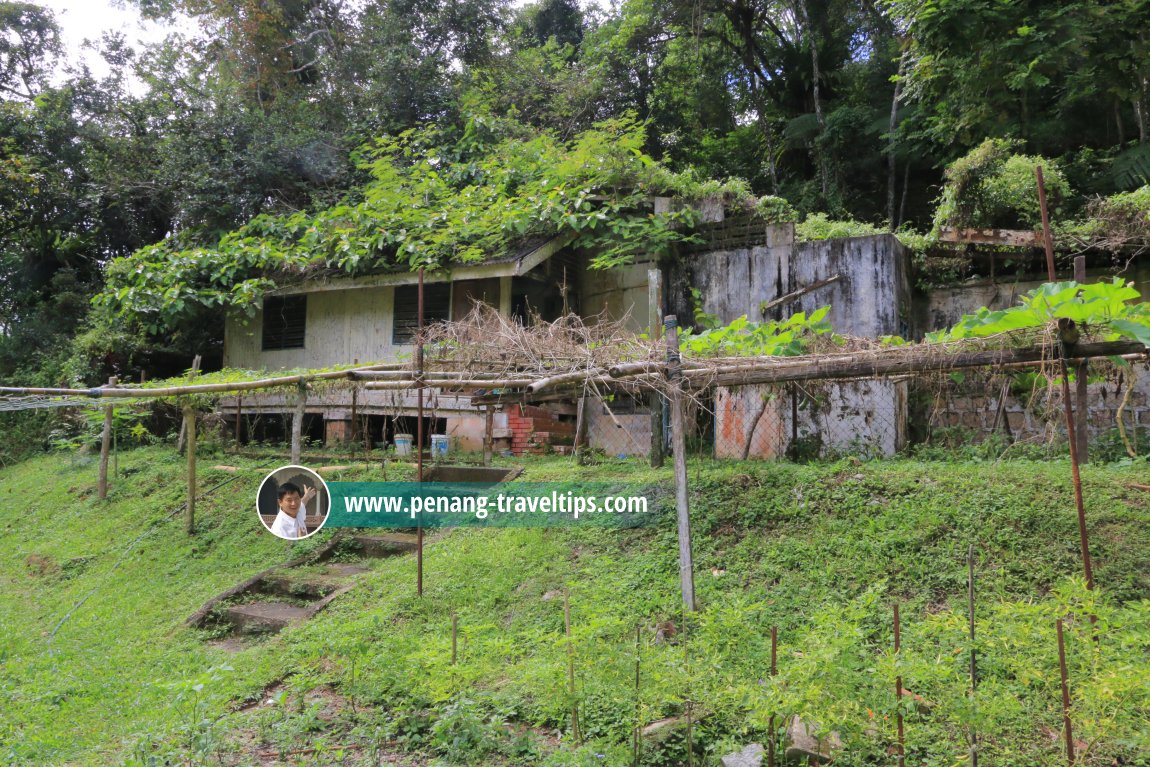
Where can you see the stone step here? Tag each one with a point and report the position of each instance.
(265, 617)
(341, 569)
(380, 545)
(284, 585)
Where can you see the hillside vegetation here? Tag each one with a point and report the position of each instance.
(97, 668)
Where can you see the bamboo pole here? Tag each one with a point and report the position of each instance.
(897, 362)
(679, 449)
(105, 447)
(179, 391)
(439, 383)
(562, 379)
(697, 375)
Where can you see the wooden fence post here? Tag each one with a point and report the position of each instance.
(183, 431)
(654, 398)
(239, 419)
(297, 424)
(106, 446)
(489, 435)
(679, 449)
(190, 431)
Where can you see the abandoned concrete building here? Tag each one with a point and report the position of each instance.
(739, 266)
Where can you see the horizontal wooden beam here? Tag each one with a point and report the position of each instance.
(1014, 238)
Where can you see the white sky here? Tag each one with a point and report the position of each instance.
(81, 20)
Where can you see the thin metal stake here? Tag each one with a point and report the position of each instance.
(454, 638)
(689, 702)
(1082, 379)
(973, 662)
(774, 670)
(898, 691)
(1065, 695)
(571, 669)
(638, 742)
(419, 432)
(1068, 408)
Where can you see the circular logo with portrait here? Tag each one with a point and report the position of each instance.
(293, 502)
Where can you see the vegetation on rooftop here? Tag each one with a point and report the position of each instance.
(436, 198)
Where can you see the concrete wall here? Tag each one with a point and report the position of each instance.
(867, 418)
(341, 326)
(626, 434)
(871, 298)
(618, 293)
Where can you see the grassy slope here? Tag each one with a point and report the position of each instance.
(821, 551)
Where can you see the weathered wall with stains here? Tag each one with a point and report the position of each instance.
(617, 294)
(870, 297)
(812, 420)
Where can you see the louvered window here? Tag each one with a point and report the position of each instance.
(285, 319)
(436, 308)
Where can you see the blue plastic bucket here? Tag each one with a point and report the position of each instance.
(403, 444)
(438, 446)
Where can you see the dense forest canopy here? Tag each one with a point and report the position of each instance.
(264, 115)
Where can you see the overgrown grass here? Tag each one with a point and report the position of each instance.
(822, 551)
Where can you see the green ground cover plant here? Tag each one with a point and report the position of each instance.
(822, 551)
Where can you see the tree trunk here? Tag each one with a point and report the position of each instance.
(891, 169)
(905, 187)
(805, 20)
(1140, 112)
(768, 136)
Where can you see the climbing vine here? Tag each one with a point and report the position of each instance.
(437, 197)
(1105, 306)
